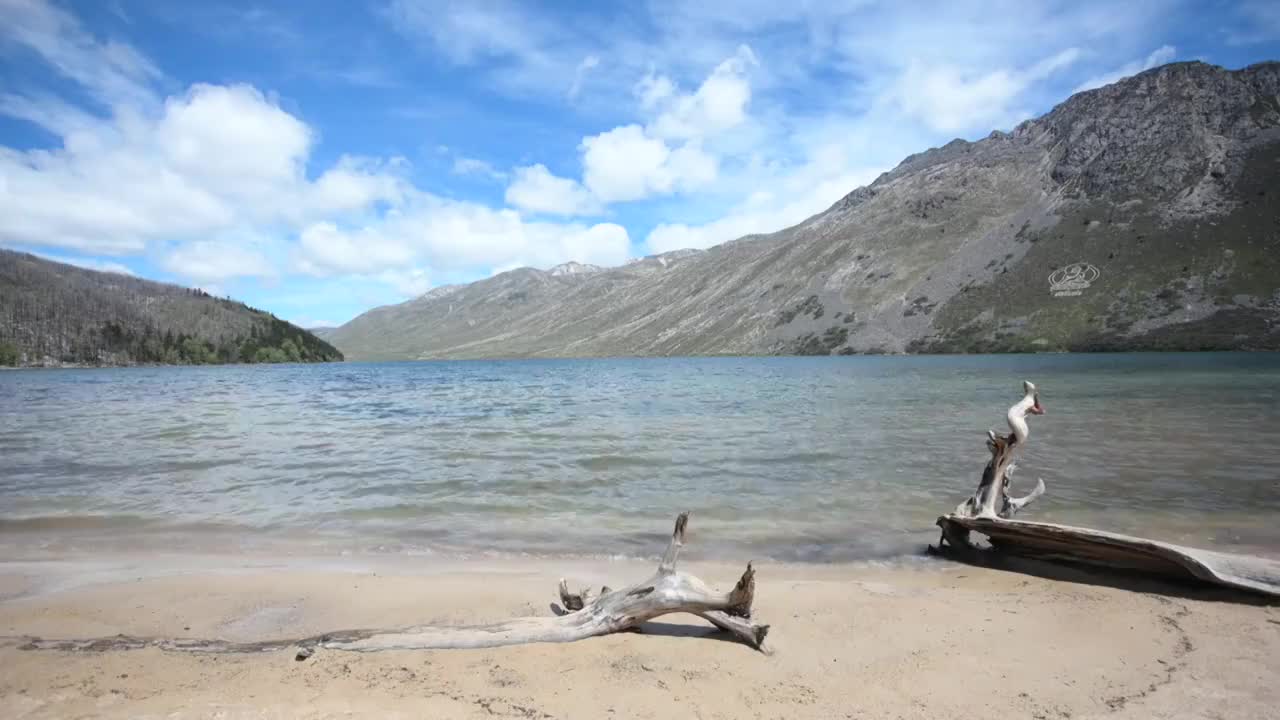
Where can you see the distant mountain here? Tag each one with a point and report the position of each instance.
(56, 314)
(1141, 215)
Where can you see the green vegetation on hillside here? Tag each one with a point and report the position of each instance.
(52, 313)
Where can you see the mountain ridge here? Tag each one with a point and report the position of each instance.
(1151, 190)
(55, 314)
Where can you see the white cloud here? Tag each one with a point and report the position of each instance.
(324, 250)
(231, 140)
(785, 196)
(668, 155)
(588, 64)
(626, 164)
(214, 160)
(621, 164)
(89, 263)
(112, 72)
(509, 45)
(949, 100)
(211, 261)
(536, 190)
(47, 111)
(409, 283)
(467, 32)
(221, 181)
(355, 183)
(718, 104)
(631, 162)
(1160, 56)
(206, 174)
(654, 89)
(447, 235)
(472, 166)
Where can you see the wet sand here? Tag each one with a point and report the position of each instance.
(925, 640)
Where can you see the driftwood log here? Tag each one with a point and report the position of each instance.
(991, 508)
(581, 616)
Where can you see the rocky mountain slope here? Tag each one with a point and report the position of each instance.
(1141, 215)
(56, 314)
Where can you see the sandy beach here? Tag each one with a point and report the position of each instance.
(926, 639)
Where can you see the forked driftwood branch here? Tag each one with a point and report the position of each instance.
(992, 499)
(667, 591)
(991, 509)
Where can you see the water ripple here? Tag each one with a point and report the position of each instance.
(791, 458)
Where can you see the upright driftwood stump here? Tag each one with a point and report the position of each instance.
(991, 508)
(992, 499)
(667, 591)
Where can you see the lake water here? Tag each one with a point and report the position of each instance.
(809, 459)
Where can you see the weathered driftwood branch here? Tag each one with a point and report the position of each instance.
(1048, 541)
(667, 591)
(992, 499)
(991, 509)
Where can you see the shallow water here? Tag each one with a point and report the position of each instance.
(813, 459)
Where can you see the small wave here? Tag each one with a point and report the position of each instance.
(799, 458)
(605, 462)
(38, 523)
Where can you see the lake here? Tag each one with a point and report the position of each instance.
(828, 459)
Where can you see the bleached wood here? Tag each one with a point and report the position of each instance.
(1050, 541)
(992, 498)
(667, 591)
(990, 511)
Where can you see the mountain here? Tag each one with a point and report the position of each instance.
(1141, 215)
(53, 314)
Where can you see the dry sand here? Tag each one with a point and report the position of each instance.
(930, 640)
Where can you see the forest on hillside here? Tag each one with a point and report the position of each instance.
(56, 314)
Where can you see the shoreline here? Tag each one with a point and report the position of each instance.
(708, 356)
(934, 640)
(46, 536)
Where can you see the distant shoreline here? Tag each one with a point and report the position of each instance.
(512, 358)
(85, 366)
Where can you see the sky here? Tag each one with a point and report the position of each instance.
(318, 159)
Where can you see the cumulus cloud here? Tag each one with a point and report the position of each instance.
(211, 161)
(536, 190)
(214, 183)
(624, 164)
(210, 260)
(949, 100)
(324, 249)
(718, 104)
(1160, 56)
(449, 235)
(631, 162)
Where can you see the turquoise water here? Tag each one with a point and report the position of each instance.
(813, 459)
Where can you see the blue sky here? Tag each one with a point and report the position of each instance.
(317, 159)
